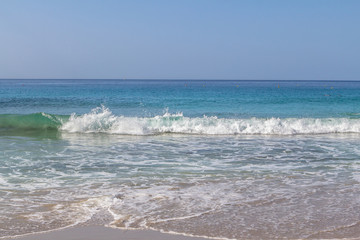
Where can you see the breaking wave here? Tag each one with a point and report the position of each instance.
(102, 120)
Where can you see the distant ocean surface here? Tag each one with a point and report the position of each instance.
(222, 159)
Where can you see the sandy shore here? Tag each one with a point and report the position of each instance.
(103, 233)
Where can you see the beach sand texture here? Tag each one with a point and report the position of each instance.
(100, 232)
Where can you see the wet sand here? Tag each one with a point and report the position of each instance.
(103, 233)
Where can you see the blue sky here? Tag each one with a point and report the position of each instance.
(187, 39)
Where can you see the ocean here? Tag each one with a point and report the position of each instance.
(221, 159)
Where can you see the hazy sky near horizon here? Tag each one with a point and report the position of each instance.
(187, 39)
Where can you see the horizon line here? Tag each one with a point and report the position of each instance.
(179, 79)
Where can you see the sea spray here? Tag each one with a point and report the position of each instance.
(102, 120)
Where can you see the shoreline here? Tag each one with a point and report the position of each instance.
(101, 232)
(98, 232)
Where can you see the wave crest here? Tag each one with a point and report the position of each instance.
(101, 120)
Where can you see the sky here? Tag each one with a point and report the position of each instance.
(180, 39)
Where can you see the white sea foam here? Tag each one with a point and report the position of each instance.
(102, 120)
(219, 187)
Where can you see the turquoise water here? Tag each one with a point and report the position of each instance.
(144, 98)
(228, 159)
